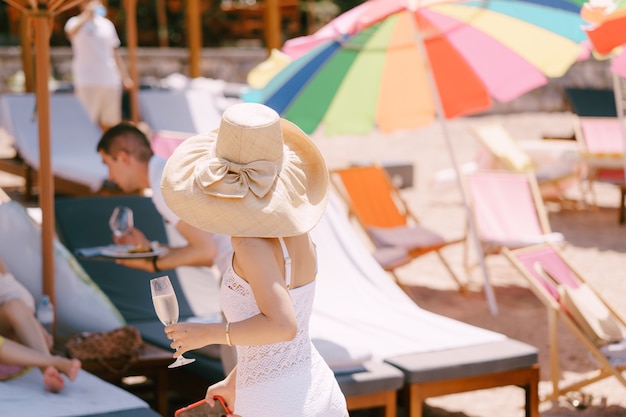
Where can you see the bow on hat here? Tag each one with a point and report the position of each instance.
(223, 178)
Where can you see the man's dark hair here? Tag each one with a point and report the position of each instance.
(125, 137)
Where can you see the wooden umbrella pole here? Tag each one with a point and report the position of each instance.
(131, 49)
(46, 184)
(162, 32)
(194, 33)
(26, 43)
(19, 6)
(59, 6)
(272, 25)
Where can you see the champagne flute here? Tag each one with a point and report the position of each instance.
(121, 220)
(166, 307)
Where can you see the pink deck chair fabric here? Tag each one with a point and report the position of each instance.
(604, 147)
(164, 142)
(602, 136)
(553, 264)
(581, 308)
(505, 210)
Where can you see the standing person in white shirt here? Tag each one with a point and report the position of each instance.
(97, 69)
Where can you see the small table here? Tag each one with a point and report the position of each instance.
(151, 363)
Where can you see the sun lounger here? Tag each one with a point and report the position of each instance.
(361, 319)
(75, 163)
(82, 222)
(80, 307)
(80, 303)
(357, 306)
(87, 396)
(189, 110)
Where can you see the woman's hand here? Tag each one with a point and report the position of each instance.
(224, 389)
(188, 336)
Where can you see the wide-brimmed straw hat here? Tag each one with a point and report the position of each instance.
(257, 175)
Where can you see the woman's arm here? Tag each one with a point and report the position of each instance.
(256, 261)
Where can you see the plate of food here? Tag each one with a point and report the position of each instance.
(133, 251)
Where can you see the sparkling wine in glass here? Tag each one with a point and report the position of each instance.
(121, 220)
(166, 307)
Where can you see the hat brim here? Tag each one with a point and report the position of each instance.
(293, 206)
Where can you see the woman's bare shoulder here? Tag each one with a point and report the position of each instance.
(250, 247)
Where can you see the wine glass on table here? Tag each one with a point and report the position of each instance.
(121, 220)
(166, 307)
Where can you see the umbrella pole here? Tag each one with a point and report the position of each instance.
(419, 41)
(273, 32)
(131, 49)
(489, 294)
(194, 33)
(46, 183)
(162, 32)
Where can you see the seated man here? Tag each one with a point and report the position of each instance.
(18, 324)
(132, 165)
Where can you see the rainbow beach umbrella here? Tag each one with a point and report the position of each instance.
(374, 65)
(401, 64)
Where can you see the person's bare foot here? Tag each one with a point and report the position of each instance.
(72, 371)
(68, 367)
(52, 379)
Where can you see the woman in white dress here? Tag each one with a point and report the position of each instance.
(261, 180)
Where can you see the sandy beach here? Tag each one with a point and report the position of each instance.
(596, 245)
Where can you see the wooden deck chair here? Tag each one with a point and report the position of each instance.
(600, 138)
(602, 151)
(572, 300)
(508, 211)
(395, 231)
(552, 162)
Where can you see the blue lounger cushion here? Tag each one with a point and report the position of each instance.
(83, 222)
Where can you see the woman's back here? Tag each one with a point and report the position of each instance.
(286, 378)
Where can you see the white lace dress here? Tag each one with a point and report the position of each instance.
(287, 379)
